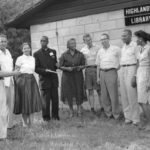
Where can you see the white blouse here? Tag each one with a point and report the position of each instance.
(26, 64)
(144, 56)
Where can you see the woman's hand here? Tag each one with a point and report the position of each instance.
(98, 80)
(80, 68)
(69, 69)
(16, 72)
(133, 82)
(148, 86)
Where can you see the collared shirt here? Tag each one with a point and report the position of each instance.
(128, 54)
(26, 64)
(109, 58)
(144, 55)
(90, 54)
(6, 64)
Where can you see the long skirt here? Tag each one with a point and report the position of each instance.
(143, 75)
(72, 88)
(27, 95)
(3, 111)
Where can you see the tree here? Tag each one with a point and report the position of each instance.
(9, 9)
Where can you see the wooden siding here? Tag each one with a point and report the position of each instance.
(66, 9)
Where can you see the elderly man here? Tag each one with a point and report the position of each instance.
(127, 74)
(107, 64)
(6, 64)
(46, 61)
(90, 52)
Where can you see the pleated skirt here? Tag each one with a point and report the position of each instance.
(27, 95)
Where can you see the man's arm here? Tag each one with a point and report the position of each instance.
(98, 68)
(56, 65)
(38, 68)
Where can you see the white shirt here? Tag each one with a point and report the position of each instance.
(128, 54)
(6, 64)
(90, 54)
(109, 58)
(26, 64)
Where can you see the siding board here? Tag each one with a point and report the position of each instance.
(70, 9)
(78, 11)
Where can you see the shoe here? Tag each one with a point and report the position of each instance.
(136, 123)
(71, 115)
(56, 118)
(119, 118)
(93, 111)
(102, 110)
(47, 119)
(128, 121)
(10, 128)
(79, 114)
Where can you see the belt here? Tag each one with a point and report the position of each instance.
(1, 78)
(91, 67)
(106, 70)
(128, 65)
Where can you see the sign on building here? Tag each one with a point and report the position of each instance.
(137, 15)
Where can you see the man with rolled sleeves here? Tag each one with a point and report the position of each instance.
(127, 74)
(107, 64)
(46, 60)
(90, 52)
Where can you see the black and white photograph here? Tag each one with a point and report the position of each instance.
(74, 74)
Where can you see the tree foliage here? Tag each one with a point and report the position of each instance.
(9, 9)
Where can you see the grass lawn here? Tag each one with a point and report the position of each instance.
(86, 133)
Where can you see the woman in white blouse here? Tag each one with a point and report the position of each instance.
(27, 96)
(143, 76)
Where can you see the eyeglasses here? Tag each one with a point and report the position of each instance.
(103, 39)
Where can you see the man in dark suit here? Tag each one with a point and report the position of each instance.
(46, 60)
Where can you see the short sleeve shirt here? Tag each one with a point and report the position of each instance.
(109, 58)
(90, 54)
(128, 54)
(26, 64)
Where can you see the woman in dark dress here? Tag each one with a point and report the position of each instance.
(72, 88)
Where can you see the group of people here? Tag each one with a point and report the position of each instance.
(91, 68)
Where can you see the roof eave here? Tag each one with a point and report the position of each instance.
(26, 14)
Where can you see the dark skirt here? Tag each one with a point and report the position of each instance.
(27, 95)
(72, 88)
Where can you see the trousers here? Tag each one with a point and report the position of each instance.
(129, 94)
(50, 95)
(109, 92)
(10, 102)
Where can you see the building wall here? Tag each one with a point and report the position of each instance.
(110, 22)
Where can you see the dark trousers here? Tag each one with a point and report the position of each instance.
(50, 95)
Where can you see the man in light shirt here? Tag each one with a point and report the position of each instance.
(90, 52)
(128, 64)
(6, 64)
(107, 65)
